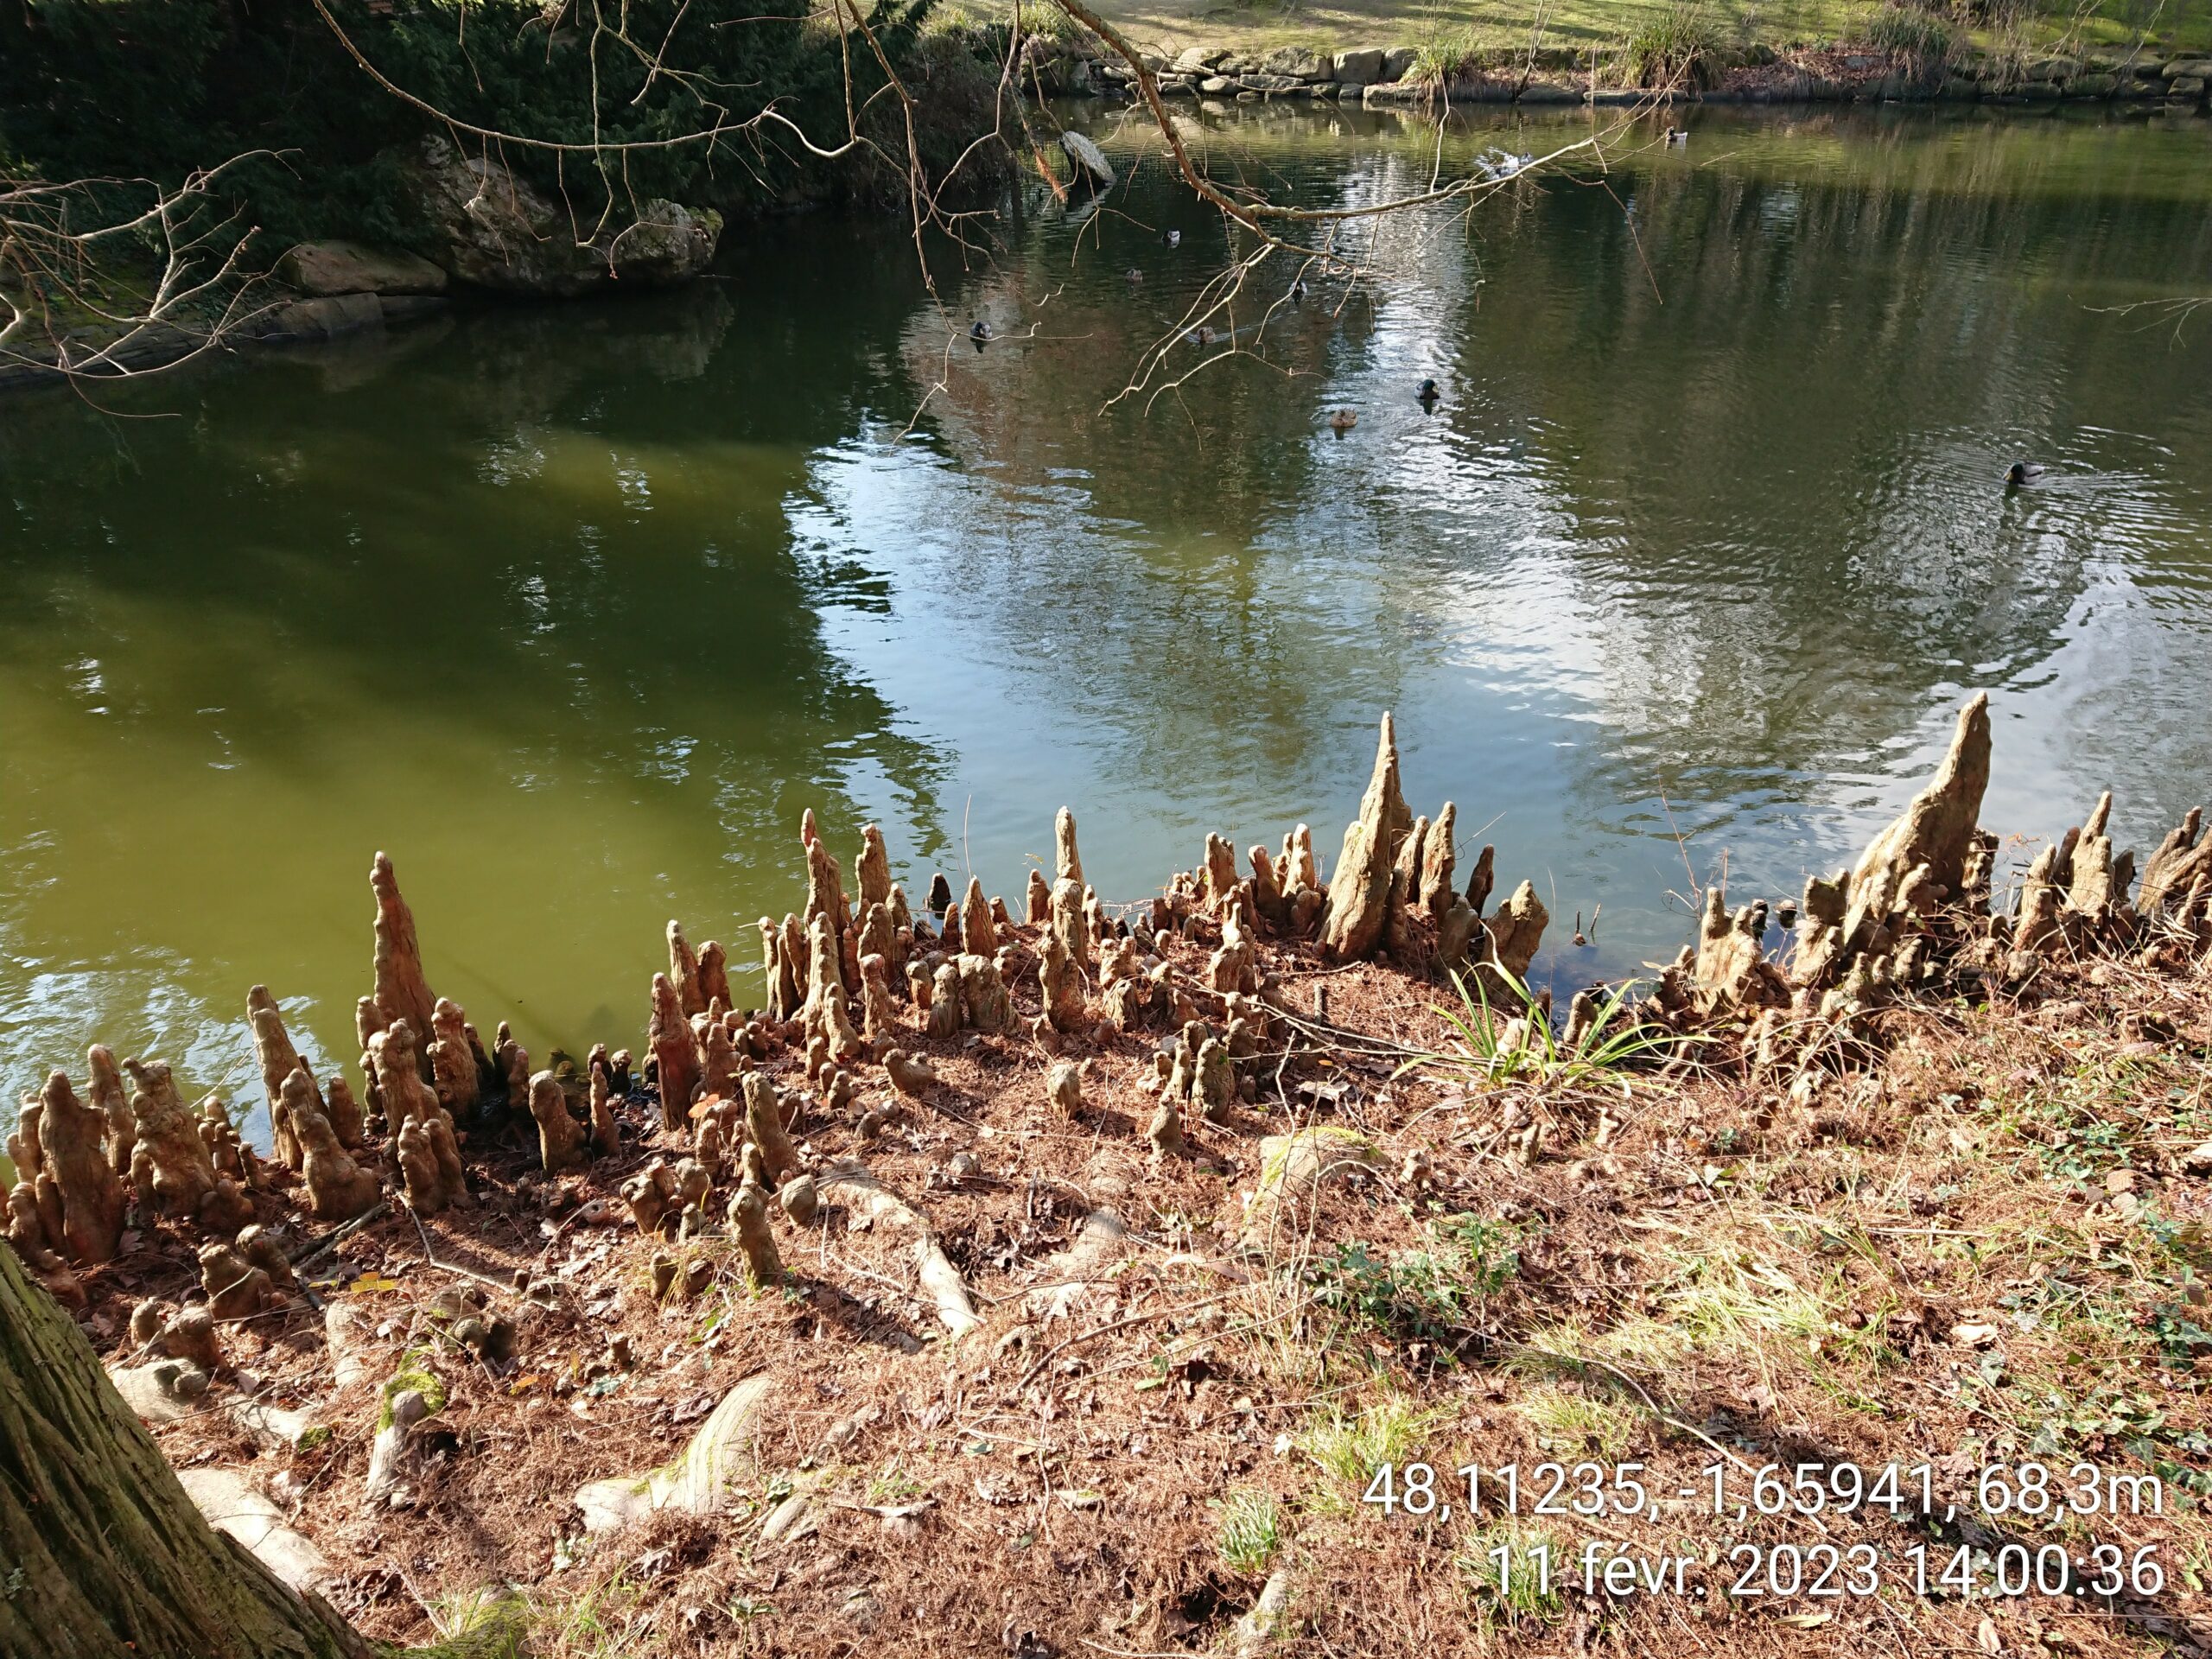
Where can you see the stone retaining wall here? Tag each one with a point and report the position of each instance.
(1561, 76)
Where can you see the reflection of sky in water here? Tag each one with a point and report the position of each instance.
(1730, 579)
(575, 611)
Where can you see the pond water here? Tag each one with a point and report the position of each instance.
(575, 610)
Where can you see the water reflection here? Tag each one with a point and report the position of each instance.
(494, 605)
(575, 611)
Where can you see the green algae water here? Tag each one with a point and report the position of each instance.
(575, 610)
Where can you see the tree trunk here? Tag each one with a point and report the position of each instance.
(102, 1555)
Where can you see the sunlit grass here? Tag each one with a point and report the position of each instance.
(1250, 1534)
(1573, 1424)
(1508, 1036)
(478, 1625)
(1504, 1569)
(1605, 26)
(1349, 1447)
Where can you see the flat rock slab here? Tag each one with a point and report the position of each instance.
(1089, 161)
(234, 1504)
(323, 268)
(142, 1390)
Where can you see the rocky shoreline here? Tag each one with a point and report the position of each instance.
(1564, 75)
(495, 235)
(491, 233)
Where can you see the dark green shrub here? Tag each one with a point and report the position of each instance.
(156, 88)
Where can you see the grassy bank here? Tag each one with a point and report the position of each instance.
(1449, 26)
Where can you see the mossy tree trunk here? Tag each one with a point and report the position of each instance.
(102, 1555)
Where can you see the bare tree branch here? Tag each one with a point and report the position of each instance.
(94, 271)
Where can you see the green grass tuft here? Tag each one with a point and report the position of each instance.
(1349, 1448)
(483, 1624)
(1914, 37)
(1514, 1039)
(1573, 1425)
(1250, 1532)
(1674, 49)
(1503, 1567)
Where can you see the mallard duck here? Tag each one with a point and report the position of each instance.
(1298, 292)
(1175, 238)
(2019, 473)
(1202, 335)
(1677, 136)
(1429, 394)
(979, 331)
(1134, 275)
(1343, 421)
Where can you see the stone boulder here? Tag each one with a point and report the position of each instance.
(324, 317)
(1297, 62)
(1360, 68)
(1196, 60)
(323, 268)
(1398, 63)
(495, 231)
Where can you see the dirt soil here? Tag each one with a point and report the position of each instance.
(1984, 1250)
